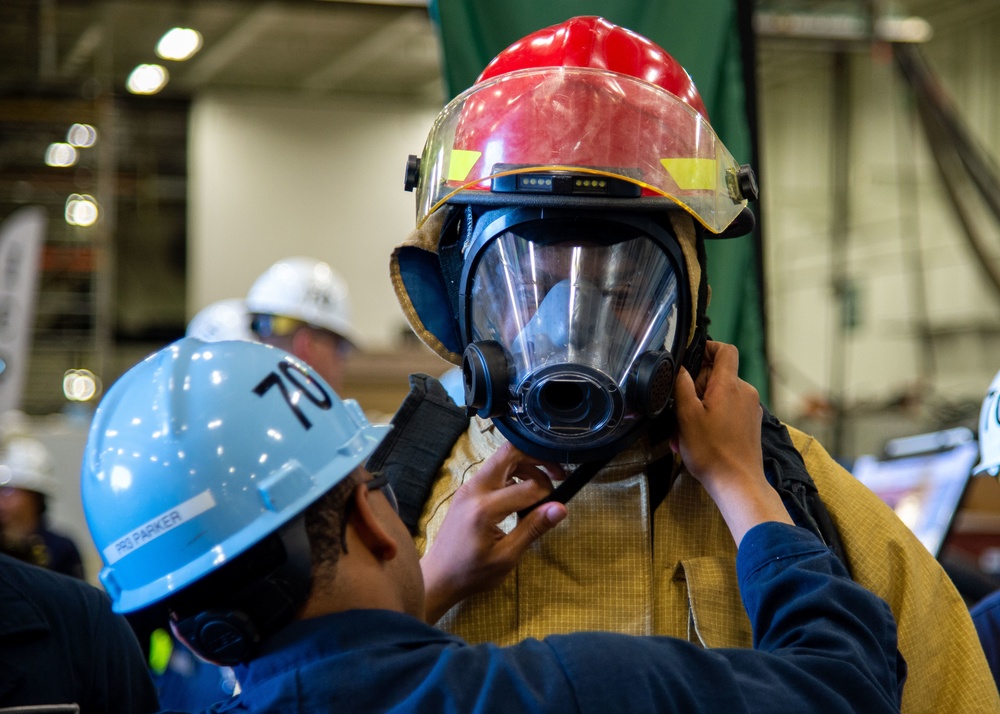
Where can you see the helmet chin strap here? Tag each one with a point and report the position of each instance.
(695, 351)
(571, 486)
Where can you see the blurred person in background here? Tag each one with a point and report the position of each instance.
(986, 612)
(26, 485)
(302, 306)
(222, 320)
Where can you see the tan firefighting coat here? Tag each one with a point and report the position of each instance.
(613, 565)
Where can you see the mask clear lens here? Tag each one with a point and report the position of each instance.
(586, 303)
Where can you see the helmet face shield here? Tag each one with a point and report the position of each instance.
(581, 132)
(567, 312)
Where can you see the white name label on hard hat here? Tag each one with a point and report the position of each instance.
(155, 527)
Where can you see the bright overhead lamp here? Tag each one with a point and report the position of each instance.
(81, 210)
(178, 44)
(80, 385)
(147, 79)
(82, 136)
(60, 155)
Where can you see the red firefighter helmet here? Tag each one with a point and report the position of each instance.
(595, 42)
(580, 111)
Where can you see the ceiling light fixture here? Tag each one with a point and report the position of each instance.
(82, 136)
(80, 385)
(60, 155)
(81, 210)
(147, 79)
(178, 44)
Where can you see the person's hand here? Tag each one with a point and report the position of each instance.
(471, 554)
(719, 440)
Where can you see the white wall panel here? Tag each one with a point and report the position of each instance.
(279, 175)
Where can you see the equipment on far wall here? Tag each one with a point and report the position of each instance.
(923, 478)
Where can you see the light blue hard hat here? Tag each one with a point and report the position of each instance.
(201, 451)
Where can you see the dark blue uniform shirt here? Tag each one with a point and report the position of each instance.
(61, 554)
(60, 643)
(822, 643)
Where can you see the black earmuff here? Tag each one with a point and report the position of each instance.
(224, 617)
(225, 637)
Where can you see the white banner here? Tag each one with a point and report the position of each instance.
(21, 238)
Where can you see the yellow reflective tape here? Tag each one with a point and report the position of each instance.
(692, 174)
(161, 646)
(462, 161)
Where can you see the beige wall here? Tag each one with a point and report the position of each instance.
(279, 175)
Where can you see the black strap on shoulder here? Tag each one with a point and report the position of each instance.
(571, 486)
(786, 472)
(425, 428)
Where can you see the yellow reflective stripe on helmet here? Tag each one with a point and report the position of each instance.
(461, 163)
(692, 174)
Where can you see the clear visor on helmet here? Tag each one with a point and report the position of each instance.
(593, 123)
(600, 305)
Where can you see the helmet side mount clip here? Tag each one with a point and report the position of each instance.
(746, 184)
(411, 178)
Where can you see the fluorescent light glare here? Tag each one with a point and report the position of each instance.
(147, 79)
(60, 154)
(81, 210)
(178, 44)
(82, 136)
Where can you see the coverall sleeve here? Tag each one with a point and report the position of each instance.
(821, 643)
(947, 669)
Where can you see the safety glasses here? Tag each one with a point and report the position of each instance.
(381, 483)
(274, 325)
(265, 326)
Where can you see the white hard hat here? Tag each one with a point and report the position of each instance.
(26, 463)
(989, 431)
(305, 289)
(222, 320)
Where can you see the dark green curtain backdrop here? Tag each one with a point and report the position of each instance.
(705, 37)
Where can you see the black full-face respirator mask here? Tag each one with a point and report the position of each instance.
(575, 323)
